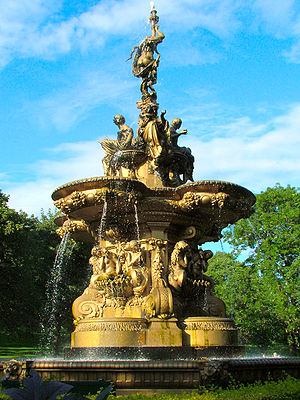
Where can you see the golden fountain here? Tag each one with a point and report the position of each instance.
(149, 289)
(148, 319)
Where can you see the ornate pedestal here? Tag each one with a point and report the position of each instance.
(149, 286)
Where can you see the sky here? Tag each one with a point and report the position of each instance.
(230, 69)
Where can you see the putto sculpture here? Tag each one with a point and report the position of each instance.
(149, 286)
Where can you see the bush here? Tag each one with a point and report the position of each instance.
(286, 389)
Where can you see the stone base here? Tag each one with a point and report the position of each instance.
(135, 332)
(107, 332)
(209, 331)
(152, 352)
(161, 376)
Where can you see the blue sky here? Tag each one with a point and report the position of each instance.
(230, 69)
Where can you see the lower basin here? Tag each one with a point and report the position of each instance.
(158, 376)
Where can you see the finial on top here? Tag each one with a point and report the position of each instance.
(153, 20)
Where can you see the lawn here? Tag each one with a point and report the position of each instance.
(12, 352)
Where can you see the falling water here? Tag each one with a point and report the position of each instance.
(102, 222)
(137, 222)
(53, 295)
(205, 302)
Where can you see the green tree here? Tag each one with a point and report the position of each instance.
(242, 289)
(28, 247)
(16, 273)
(272, 234)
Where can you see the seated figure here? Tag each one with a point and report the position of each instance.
(111, 147)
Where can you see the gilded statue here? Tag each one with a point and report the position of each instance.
(153, 133)
(187, 266)
(134, 266)
(173, 134)
(156, 142)
(179, 263)
(184, 160)
(199, 264)
(111, 147)
(144, 64)
(125, 133)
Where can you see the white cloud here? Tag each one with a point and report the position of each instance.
(31, 197)
(76, 161)
(3, 177)
(280, 19)
(294, 53)
(20, 20)
(255, 156)
(65, 107)
(216, 16)
(277, 16)
(34, 28)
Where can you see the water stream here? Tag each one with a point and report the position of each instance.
(137, 223)
(205, 302)
(53, 295)
(102, 222)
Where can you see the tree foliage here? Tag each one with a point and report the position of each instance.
(243, 290)
(28, 247)
(17, 276)
(272, 235)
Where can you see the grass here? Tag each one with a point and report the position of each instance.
(18, 352)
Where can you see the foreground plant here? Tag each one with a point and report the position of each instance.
(34, 388)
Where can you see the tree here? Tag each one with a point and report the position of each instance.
(272, 234)
(28, 247)
(16, 279)
(242, 289)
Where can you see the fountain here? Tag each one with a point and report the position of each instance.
(149, 312)
(149, 293)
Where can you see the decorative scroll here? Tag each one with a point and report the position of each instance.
(192, 201)
(72, 226)
(210, 326)
(130, 326)
(13, 369)
(98, 196)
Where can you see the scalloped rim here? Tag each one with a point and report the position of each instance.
(62, 191)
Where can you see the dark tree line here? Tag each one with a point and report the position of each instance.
(259, 281)
(28, 247)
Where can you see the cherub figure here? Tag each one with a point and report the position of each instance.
(185, 165)
(173, 134)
